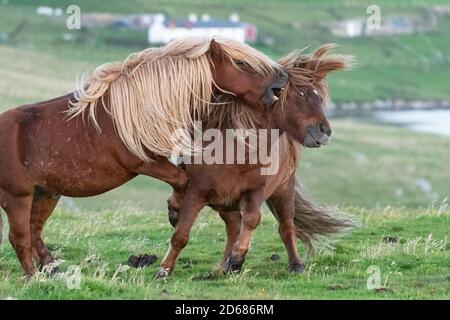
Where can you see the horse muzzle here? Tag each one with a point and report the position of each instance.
(273, 92)
(316, 136)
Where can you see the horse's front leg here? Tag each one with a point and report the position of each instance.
(192, 204)
(251, 216)
(162, 169)
(232, 221)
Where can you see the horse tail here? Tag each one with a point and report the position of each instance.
(313, 224)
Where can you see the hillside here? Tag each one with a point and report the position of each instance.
(409, 66)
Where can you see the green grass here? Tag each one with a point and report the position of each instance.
(417, 267)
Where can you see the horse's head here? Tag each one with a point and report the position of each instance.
(303, 117)
(301, 110)
(246, 73)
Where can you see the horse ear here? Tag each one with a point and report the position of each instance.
(322, 63)
(215, 49)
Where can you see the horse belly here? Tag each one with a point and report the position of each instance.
(90, 183)
(78, 169)
(224, 185)
(78, 179)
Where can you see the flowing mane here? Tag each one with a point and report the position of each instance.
(311, 70)
(154, 92)
(303, 70)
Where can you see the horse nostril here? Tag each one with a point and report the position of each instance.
(325, 129)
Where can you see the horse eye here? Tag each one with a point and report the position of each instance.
(240, 62)
(315, 92)
(301, 93)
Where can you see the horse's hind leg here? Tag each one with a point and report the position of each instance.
(18, 210)
(42, 208)
(282, 205)
(232, 221)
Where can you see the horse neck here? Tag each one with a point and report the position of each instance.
(271, 118)
(264, 118)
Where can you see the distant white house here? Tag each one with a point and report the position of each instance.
(348, 28)
(393, 25)
(49, 11)
(163, 30)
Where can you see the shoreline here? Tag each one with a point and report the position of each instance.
(389, 105)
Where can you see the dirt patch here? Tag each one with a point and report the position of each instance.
(205, 277)
(390, 239)
(275, 257)
(383, 289)
(335, 287)
(142, 261)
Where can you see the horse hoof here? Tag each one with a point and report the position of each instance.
(141, 261)
(163, 273)
(297, 267)
(233, 265)
(49, 269)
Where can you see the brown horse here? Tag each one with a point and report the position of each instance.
(237, 191)
(48, 150)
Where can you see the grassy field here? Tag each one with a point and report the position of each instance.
(416, 267)
(392, 180)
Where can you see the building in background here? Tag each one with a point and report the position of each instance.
(390, 25)
(163, 30)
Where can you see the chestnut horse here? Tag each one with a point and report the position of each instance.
(237, 191)
(48, 150)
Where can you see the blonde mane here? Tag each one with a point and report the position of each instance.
(304, 70)
(154, 92)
